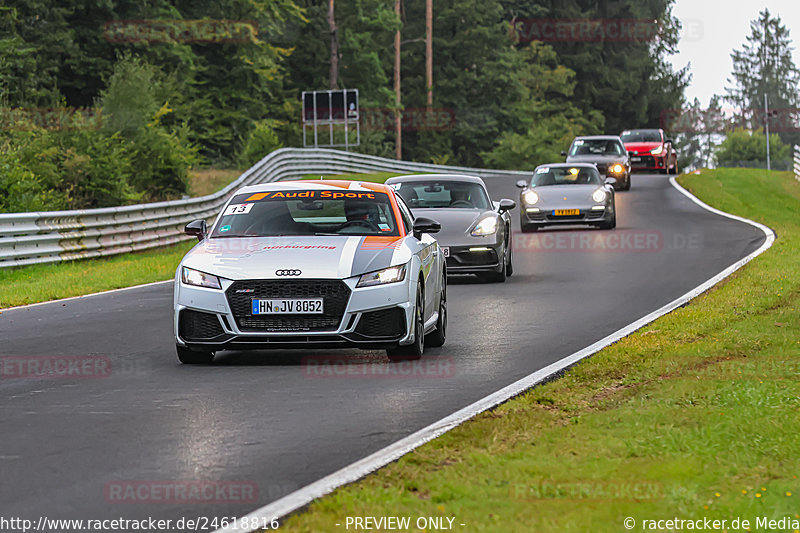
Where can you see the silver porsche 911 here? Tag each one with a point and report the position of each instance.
(564, 193)
(475, 236)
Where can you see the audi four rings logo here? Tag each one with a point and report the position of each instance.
(288, 272)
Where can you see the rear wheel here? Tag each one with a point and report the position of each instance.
(187, 356)
(414, 350)
(438, 336)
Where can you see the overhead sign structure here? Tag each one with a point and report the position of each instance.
(336, 111)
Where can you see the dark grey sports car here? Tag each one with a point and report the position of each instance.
(607, 153)
(476, 232)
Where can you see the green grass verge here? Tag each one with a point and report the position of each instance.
(39, 283)
(694, 416)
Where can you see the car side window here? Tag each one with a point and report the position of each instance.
(405, 212)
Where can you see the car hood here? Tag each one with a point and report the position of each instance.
(554, 195)
(641, 147)
(326, 257)
(456, 223)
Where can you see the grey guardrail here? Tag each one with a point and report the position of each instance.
(52, 236)
(797, 162)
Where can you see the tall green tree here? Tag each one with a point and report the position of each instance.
(549, 119)
(764, 66)
(628, 79)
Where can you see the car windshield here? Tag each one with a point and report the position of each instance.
(641, 136)
(596, 147)
(309, 212)
(443, 194)
(545, 176)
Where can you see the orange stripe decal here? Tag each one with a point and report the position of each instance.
(257, 196)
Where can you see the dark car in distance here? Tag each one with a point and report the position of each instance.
(607, 153)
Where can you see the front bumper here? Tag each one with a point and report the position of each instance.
(648, 162)
(483, 254)
(541, 217)
(376, 317)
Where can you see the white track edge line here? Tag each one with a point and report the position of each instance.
(357, 470)
(26, 306)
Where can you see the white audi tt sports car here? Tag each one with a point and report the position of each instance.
(305, 264)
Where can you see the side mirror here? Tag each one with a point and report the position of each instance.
(522, 184)
(630, 154)
(425, 225)
(668, 141)
(563, 153)
(507, 205)
(611, 181)
(196, 228)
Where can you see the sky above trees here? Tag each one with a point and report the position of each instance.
(711, 34)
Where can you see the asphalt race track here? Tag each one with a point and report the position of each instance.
(272, 422)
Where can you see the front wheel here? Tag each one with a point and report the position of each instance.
(187, 356)
(414, 350)
(510, 263)
(611, 224)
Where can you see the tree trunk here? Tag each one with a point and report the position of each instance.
(429, 53)
(398, 119)
(334, 73)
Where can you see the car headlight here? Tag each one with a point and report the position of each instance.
(194, 277)
(530, 197)
(382, 277)
(617, 168)
(487, 226)
(599, 196)
(657, 150)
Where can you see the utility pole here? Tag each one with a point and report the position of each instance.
(334, 72)
(766, 127)
(398, 125)
(429, 53)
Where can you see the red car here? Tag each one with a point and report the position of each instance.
(650, 150)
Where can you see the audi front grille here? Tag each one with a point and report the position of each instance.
(334, 293)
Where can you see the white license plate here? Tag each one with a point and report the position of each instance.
(446, 251)
(305, 306)
(636, 159)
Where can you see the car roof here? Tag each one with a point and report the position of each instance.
(644, 129)
(569, 165)
(436, 177)
(317, 185)
(598, 137)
